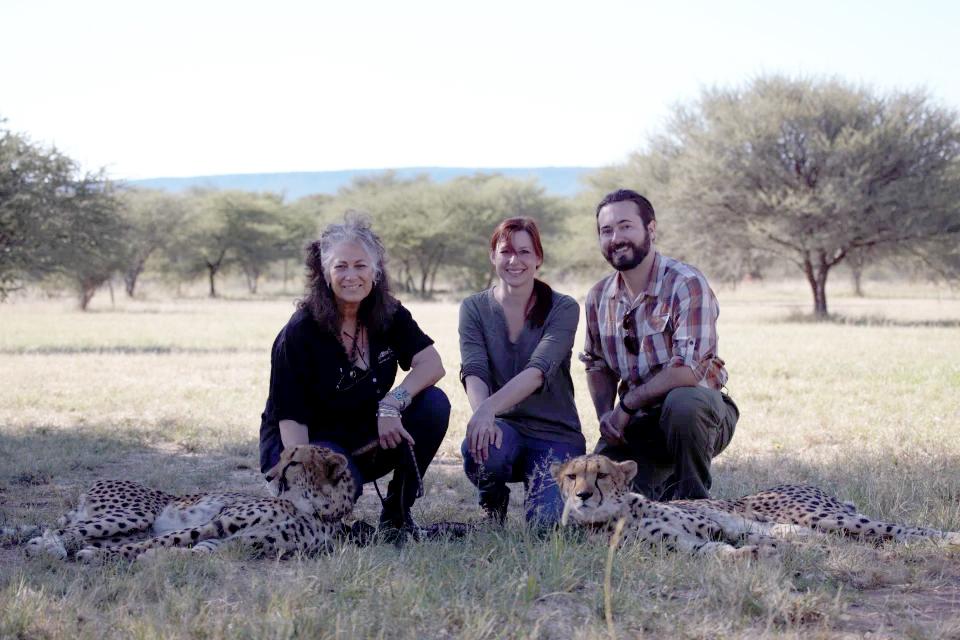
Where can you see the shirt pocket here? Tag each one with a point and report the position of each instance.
(655, 340)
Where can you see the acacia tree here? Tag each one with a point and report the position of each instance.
(151, 218)
(94, 239)
(257, 232)
(203, 240)
(812, 170)
(34, 185)
(55, 220)
(224, 228)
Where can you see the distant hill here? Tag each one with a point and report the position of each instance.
(558, 181)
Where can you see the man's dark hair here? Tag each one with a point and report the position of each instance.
(627, 195)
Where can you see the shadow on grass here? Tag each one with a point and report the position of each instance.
(799, 317)
(36, 456)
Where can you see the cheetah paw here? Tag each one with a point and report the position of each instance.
(748, 551)
(205, 546)
(719, 549)
(90, 555)
(783, 530)
(49, 544)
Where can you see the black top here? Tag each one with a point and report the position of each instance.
(313, 382)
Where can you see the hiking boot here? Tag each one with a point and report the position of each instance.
(496, 510)
(395, 531)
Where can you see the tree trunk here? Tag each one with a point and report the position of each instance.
(817, 279)
(857, 259)
(253, 278)
(131, 275)
(431, 268)
(433, 278)
(858, 283)
(87, 289)
(424, 276)
(213, 268)
(212, 271)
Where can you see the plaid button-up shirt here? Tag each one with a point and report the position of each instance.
(675, 322)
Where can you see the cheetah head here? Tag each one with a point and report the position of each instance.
(315, 479)
(592, 486)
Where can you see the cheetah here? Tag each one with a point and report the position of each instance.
(312, 487)
(596, 494)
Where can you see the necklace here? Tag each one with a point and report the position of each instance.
(355, 350)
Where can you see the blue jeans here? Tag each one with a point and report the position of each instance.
(523, 459)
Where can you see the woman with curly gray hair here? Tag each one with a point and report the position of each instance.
(333, 368)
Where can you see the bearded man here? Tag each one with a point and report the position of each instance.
(652, 341)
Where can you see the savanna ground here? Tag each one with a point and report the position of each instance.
(169, 392)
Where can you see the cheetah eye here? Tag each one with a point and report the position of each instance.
(601, 475)
(571, 476)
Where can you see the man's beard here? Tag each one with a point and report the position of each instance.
(631, 259)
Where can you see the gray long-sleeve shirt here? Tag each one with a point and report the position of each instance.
(487, 353)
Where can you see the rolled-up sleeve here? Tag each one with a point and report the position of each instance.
(592, 354)
(406, 338)
(554, 348)
(695, 327)
(474, 360)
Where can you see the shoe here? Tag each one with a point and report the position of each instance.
(496, 511)
(395, 531)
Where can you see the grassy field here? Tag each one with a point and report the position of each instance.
(170, 392)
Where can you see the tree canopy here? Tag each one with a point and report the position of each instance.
(810, 171)
(55, 220)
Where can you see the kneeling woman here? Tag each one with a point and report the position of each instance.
(333, 368)
(515, 344)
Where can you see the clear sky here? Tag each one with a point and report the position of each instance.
(175, 88)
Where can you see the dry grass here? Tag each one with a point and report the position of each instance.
(171, 392)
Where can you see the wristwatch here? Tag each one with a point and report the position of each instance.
(627, 410)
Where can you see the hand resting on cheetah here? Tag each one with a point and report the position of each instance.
(596, 494)
(313, 492)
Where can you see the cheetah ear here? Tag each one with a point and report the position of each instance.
(629, 469)
(556, 470)
(336, 463)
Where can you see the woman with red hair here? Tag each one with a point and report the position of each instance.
(516, 340)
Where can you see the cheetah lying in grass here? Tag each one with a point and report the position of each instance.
(313, 491)
(596, 494)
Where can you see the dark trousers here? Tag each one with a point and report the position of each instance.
(426, 419)
(674, 443)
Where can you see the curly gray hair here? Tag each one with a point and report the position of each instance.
(376, 311)
(354, 228)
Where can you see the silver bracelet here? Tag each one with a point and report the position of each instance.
(385, 410)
